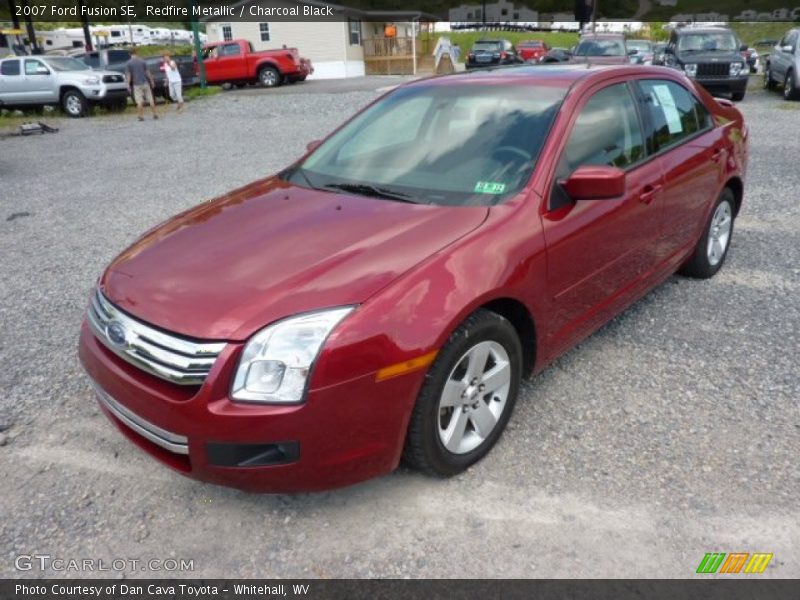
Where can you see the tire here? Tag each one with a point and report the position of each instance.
(74, 104)
(790, 91)
(737, 96)
(269, 77)
(711, 250)
(769, 82)
(444, 434)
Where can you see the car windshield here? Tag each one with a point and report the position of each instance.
(707, 42)
(486, 47)
(600, 47)
(452, 145)
(641, 45)
(65, 63)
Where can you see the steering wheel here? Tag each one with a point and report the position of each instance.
(513, 150)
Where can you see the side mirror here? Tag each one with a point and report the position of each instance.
(42, 71)
(313, 145)
(595, 182)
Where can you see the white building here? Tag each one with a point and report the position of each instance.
(496, 12)
(356, 43)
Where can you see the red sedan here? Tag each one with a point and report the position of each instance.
(384, 296)
(532, 50)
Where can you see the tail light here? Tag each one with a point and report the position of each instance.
(504, 55)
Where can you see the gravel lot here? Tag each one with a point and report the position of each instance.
(672, 432)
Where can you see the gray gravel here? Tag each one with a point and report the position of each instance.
(672, 432)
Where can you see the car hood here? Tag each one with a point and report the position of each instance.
(231, 266)
(709, 57)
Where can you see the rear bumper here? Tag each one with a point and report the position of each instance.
(341, 434)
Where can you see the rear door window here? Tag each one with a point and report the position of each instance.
(9, 67)
(675, 114)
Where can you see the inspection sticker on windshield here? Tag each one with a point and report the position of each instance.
(489, 187)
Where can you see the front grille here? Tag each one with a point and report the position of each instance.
(113, 79)
(713, 69)
(164, 355)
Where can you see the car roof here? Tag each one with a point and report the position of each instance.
(556, 75)
(687, 30)
(615, 36)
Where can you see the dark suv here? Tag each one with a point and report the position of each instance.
(487, 53)
(711, 56)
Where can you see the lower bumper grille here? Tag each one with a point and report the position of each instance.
(173, 442)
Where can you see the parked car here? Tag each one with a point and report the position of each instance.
(236, 62)
(36, 81)
(710, 56)
(117, 60)
(489, 53)
(532, 50)
(385, 294)
(642, 51)
(783, 65)
(556, 55)
(601, 49)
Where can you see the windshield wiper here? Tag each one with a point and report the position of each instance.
(366, 189)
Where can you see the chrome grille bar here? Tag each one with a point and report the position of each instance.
(179, 444)
(164, 355)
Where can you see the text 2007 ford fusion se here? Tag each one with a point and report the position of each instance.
(382, 298)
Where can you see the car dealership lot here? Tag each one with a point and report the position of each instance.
(672, 432)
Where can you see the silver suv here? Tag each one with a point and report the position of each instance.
(34, 81)
(783, 66)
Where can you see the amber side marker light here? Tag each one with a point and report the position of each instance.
(406, 366)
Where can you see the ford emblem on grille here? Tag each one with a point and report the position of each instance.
(116, 333)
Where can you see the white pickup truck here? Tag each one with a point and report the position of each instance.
(35, 81)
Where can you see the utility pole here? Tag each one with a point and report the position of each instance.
(87, 37)
(12, 10)
(198, 47)
(29, 27)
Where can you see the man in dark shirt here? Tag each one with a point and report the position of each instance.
(140, 79)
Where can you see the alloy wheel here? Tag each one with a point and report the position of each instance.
(720, 233)
(474, 397)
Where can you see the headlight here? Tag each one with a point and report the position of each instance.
(276, 361)
(735, 69)
(91, 80)
(690, 69)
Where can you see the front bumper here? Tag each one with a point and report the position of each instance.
(341, 434)
(724, 84)
(105, 93)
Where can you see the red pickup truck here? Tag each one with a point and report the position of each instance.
(236, 62)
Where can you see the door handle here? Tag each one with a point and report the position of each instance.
(649, 192)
